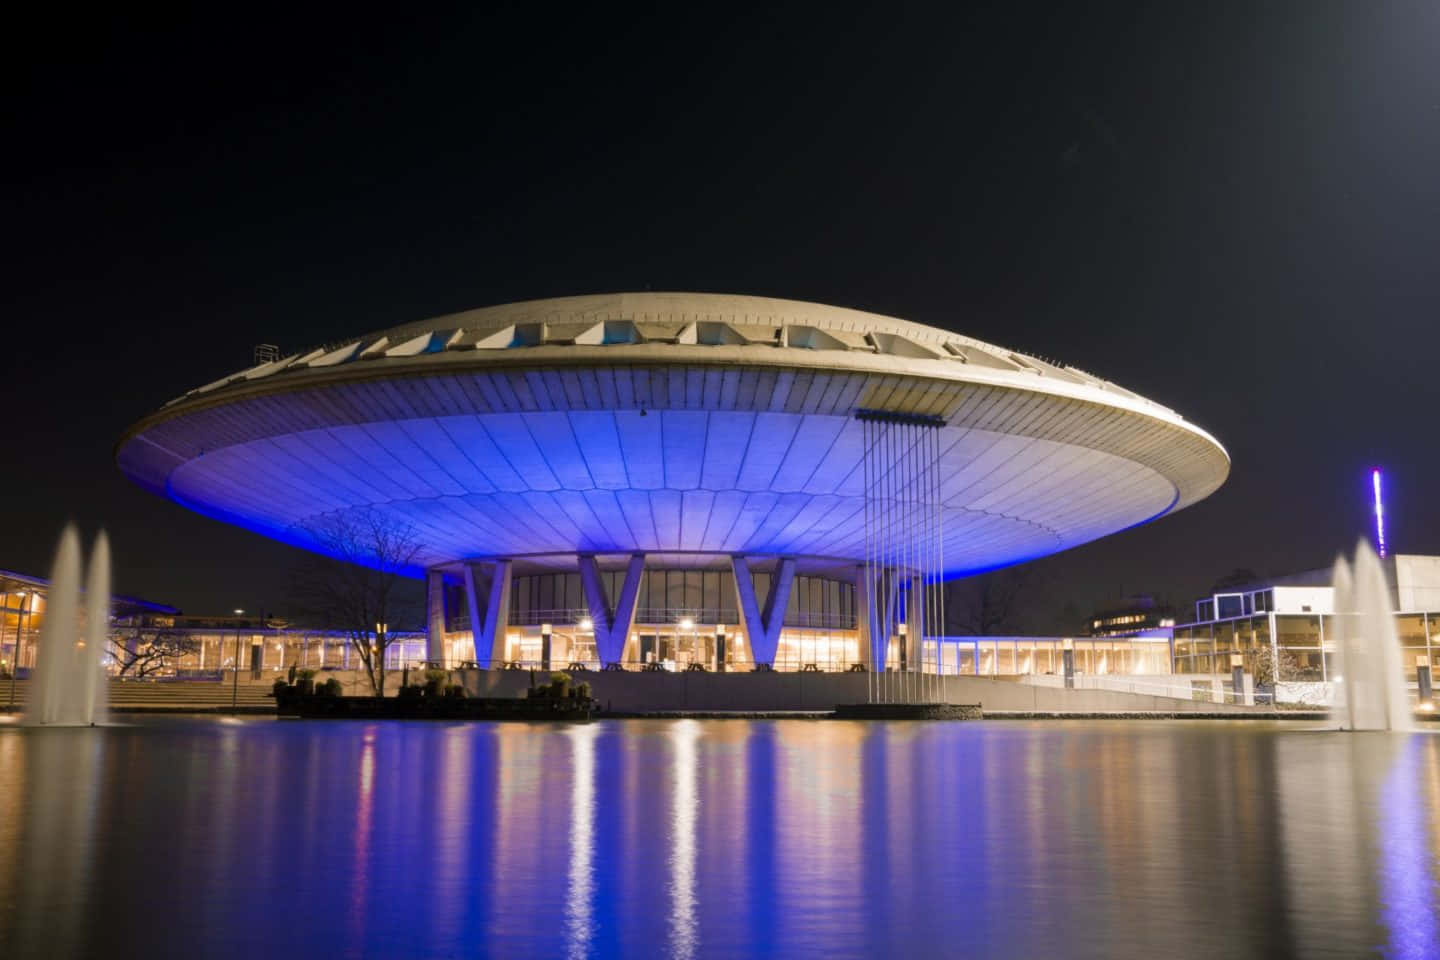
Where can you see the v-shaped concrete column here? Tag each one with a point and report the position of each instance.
(488, 594)
(876, 608)
(763, 627)
(612, 624)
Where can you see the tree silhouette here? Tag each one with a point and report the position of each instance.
(357, 586)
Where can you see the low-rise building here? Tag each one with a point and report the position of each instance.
(1291, 619)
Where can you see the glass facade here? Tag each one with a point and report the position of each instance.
(22, 612)
(672, 596)
(1301, 644)
(679, 614)
(1029, 656)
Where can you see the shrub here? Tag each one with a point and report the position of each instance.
(583, 690)
(279, 689)
(306, 674)
(331, 688)
(560, 685)
(409, 692)
(455, 691)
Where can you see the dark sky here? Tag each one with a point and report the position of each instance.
(1231, 208)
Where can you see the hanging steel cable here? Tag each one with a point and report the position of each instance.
(904, 553)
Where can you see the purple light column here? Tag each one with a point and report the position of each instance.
(1379, 513)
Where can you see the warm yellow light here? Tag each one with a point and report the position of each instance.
(687, 624)
(587, 624)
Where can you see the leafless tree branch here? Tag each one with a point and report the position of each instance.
(359, 583)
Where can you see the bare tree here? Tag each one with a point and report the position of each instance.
(1272, 665)
(980, 606)
(147, 651)
(359, 584)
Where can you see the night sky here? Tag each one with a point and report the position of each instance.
(1230, 208)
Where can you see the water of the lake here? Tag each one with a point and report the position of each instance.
(265, 838)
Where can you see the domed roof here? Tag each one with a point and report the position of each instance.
(622, 320)
(668, 423)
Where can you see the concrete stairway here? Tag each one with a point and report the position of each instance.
(181, 696)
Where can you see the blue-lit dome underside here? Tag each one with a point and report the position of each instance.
(668, 448)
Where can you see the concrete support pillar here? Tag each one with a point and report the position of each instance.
(762, 627)
(883, 610)
(915, 623)
(435, 616)
(865, 615)
(487, 591)
(612, 623)
(476, 585)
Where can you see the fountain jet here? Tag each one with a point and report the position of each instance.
(68, 686)
(1371, 690)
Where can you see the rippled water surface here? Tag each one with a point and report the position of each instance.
(718, 838)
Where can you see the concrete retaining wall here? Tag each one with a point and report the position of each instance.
(778, 692)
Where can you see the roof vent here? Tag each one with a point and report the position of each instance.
(266, 353)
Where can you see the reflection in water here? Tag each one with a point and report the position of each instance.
(717, 838)
(1407, 883)
(578, 903)
(685, 796)
(62, 769)
(452, 829)
(364, 824)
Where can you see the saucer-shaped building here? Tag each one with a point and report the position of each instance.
(676, 479)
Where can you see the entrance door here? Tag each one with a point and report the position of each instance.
(257, 651)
